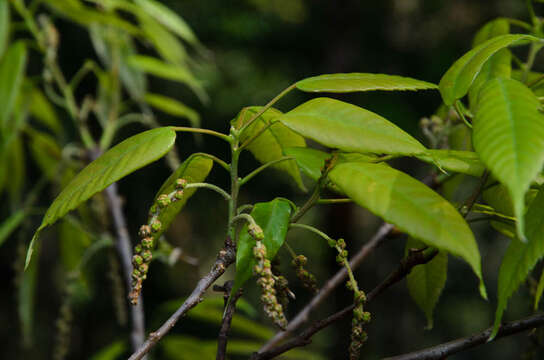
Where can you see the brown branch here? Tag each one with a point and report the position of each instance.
(414, 258)
(444, 350)
(225, 258)
(328, 287)
(227, 317)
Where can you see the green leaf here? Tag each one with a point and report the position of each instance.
(270, 144)
(411, 206)
(520, 258)
(169, 47)
(465, 162)
(12, 71)
(352, 82)
(173, 107)
(426, 282)
(26, 301)
(498, 65)
(337, 124)
(4, 26)
(42, 110)
(508, 135)
(309, 160)
(273, 217)
(195, 169)
(112, 351)
(457, 80)
(46, 152)
(10, 224)
(121, 160)
(539, 290)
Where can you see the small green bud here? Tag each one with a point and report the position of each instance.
(178, 195)
(163, 200)
(138, 249)
(180, 183)
(147, 255)
(145, 231)
(156, 226)
(341, 244)
(143, 268)
(147, 243)
(366, 317)
(136, 274)
(255, 232)
(344, 254)
(331, 243)
(137, 260)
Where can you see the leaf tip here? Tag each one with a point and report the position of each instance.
(30, 250)
(483, 291)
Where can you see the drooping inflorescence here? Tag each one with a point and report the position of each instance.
(308, 279)
(148, 235)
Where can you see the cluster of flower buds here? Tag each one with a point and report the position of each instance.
(308, 279)
(360, 317)
(64, 320)
(267, 280)
(148, 234)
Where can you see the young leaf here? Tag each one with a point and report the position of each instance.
(273, 217)
(270, 144)
(464, 162)
(337, 124)
(173, 107)
(352, 82)
(4, 26)
(411, 206)
(508, 135)
(10, 224)
(26, 301)
(457, 80)
(539, 290)
(12, 71)
(195, 169)
(520, 258)
(310, 161)
(426, 282)
(121, 160)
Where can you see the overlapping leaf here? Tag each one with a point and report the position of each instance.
(4, 26)
(310, 161)
(508, 135)
(411, 206)
(464, 162)
(12, 69)
(173, 107)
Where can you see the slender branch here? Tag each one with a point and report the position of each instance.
(442, 351)
(263, 167)
(256, 135)
(202, 131)
(227, 317)
(334, 201)
(469, 203)
(222, 163)
(225, 258)
(245, 217)
(314, 198)
(213, 187)
(312, 229)
(329, 286)
(461, 114)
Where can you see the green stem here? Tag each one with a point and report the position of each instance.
(243, 208)
(202, 131)
(246, 143)
(314, 198)
(532, 14)
(220, 162)
(461, 115)
(334, 201)
(245, 217)
(235, 186)
(384, 158)
(533, 50)
(312, 229)
(290, 250)
(519, 23)
(215, 188)
(261, 168)
(350, 275)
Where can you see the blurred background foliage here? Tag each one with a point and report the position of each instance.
(123, 62)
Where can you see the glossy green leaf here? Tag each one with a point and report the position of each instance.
(411, 206)
(310, 161)
(4, 26)
(535, 80)
(173, 107)
(12, 71)
(9, 225)
(464, 162)
(539, 290)
(458, 79)
(121, 160)
(273, 217)
(520, 258)
(352, 82)
(498, 65)
(337, 124)
(425, 282)
(195, 169)
(112, 351)
(508, 135)
(270, 144)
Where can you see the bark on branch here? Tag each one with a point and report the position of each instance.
(227, 317)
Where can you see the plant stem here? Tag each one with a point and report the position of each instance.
(213, 187)
(314, 198)
(202, 131)
(461, 115)
(261, 131)
(230, 307)
(312, 229)
(245, 217)
(220, 162)
(334, 201)
(261, 168)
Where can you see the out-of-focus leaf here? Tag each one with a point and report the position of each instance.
(520, 258)
(9, 225)
(465, 162)
(534, 79)
(309, 160)
(25, 306)
(246, 348)
(273, 217)
(42, 110)
(458, 79)
(112, 351)
(337, 124)
(460, 138)
(166, 44)
(72, 244)
(270, 144)
(426, 282)
(352, 82)
(173, 107)
(539, 290)
(192, 348)
(17, 171)
(12, 70)
(4, 26)
(121, 160)
(508, 135)
(410, 205)
(45, 151)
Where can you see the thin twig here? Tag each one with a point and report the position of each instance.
(227, 317)
(444, 350)
(225, 258)
(414, 258)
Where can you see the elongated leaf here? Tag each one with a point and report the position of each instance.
(498, 65)
(173, 107)
(508, 135)
(195, 169)
(12, 69)
(273, 218)
(27, 300)
(121, 160)
(411, 206)
(337, 124)
(42, 110)
(4, 26)
(520, 258)
(112, 351)
(352, 82)
(310, 161)
(539, 290)
(457, 80)
(270, 144)
(10, 224)
(426, 282)
(167, 45)
(464, 162)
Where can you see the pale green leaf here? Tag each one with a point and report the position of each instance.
(352, 82)
(42, 110)
(310, 161)
(337, 124)
(121, 160)
(4, 26)
(457, 80)
(12, 71)
(167, 45)
(270, 144)
(173, 107)
(411, 206)
(508, 135)
(465, 162)
(426, 281)
(520, 258)
(539, 290)
(9, 225)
